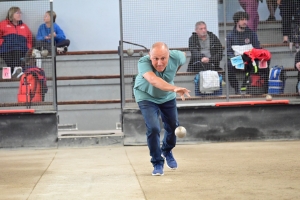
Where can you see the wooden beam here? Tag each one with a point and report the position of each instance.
(17, 111)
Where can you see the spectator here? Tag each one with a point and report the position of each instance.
(44, 35)
(15, 39)
(206, 49)
(288, 10)
(272, 6)
(241, 35)
(297, 66)
(250, 7)
(155, 93)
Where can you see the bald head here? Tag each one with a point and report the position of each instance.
(159, 46)
(159, 56)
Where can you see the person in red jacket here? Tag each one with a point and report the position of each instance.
(15, 38)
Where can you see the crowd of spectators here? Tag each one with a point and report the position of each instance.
(16, 39)
(206, 51)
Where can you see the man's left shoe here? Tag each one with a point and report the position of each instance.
(170, 160)
(158, 170)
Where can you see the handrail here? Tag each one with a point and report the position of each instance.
(114, 76)
(138, 50)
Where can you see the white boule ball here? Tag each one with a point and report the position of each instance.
(268, 97)
(130, 52)
(180, 132)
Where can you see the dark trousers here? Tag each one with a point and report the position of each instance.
(232, 77)
(288, 10)
(151, 112)
(13, 59)
(42, 44)
(298, 82)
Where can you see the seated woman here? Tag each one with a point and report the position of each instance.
(15, 39)
(44, 35)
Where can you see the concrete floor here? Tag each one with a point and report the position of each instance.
(239, 170)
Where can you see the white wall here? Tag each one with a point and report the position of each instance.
(95, 24)
(89, 24)
(168, 21)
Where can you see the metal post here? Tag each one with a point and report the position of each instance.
(225, 46)
(120, 51)
(53, 60)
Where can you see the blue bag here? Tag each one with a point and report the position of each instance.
(197, 84)
(276, 80)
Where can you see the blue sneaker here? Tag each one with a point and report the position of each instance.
(158, 170)
(170, 160)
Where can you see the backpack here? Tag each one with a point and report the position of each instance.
(256, 80)
(209, 81)
(257, 84)
(32, 87)
(277, 79)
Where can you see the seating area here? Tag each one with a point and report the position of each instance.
(86, 79)
(67, 72)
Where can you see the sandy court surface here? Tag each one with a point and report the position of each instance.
(238, 170)
(250, 170)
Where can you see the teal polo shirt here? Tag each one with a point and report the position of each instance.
(143, 90)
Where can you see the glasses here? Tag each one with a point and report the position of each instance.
(19, 13)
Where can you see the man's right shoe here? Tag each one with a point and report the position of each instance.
(158, 170)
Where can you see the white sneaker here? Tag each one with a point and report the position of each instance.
(19, 75)
(61, 50)
(36, 53)
(17, 69)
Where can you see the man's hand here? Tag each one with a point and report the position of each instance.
(182, 91)
(205, 60)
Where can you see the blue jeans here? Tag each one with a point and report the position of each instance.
(169, 116)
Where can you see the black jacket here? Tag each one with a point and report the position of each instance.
(297, 59)
(216, 52)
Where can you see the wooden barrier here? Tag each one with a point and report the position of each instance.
(251, 103)
(17, 111)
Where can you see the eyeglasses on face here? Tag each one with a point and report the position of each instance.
(19, 13)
